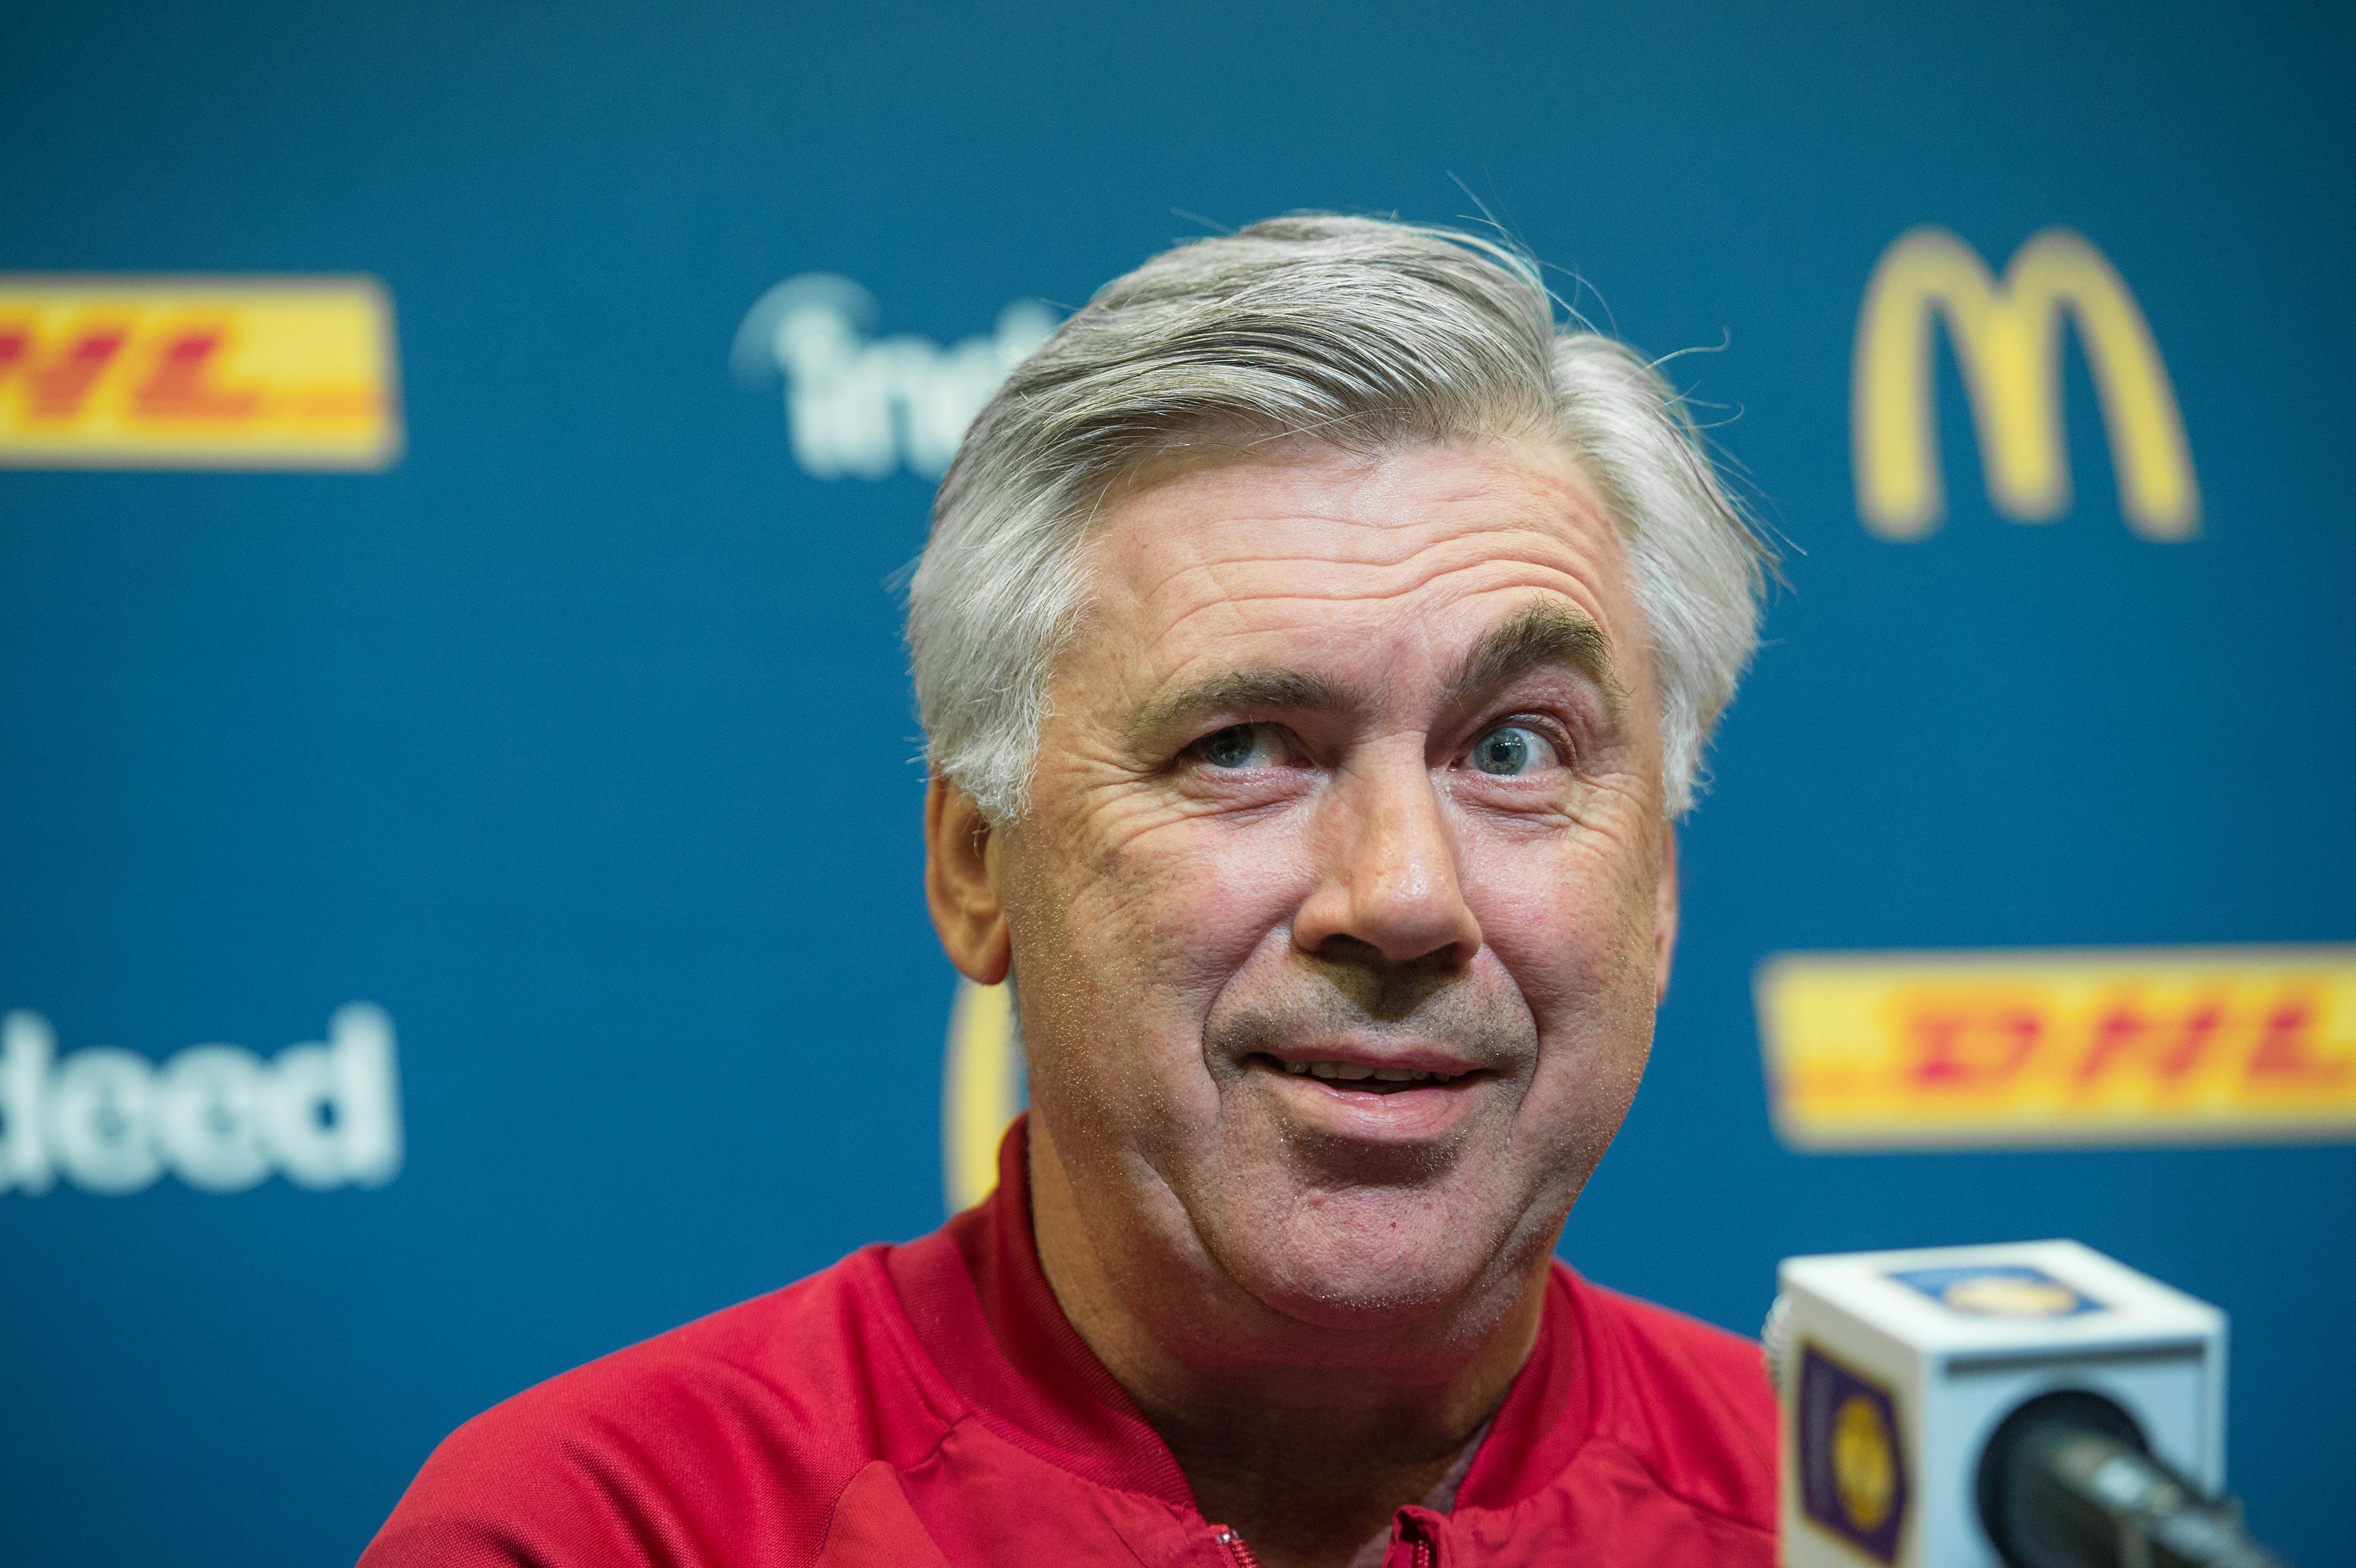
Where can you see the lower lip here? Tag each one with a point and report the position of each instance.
(1408, 1116)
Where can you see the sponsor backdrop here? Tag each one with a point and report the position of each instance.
(456, 815)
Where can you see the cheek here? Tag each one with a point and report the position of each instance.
(1576, 937)
(1147, 927)
(1573, 922)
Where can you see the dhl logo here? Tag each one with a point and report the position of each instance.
(99, 372)
(2007, 342)
(2223, 1043)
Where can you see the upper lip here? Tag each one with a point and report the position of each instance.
(1412, 1058)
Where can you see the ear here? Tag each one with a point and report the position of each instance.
(1664, 912)
(962, 884)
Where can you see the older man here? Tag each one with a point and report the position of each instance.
(1314, 648)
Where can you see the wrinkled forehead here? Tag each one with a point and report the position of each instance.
(1375, 565)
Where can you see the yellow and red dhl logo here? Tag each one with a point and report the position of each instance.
(106, 372)
(1899, 1050)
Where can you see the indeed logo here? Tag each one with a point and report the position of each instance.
(217, 1116)
(856, 405)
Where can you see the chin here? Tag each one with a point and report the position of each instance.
(1338, 1271)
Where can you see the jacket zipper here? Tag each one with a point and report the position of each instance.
(1237, 1549)
(1244, 1558)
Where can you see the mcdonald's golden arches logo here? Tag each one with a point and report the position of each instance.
(982, 1090)
(2007, 342)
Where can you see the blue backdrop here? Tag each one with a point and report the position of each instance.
(579, 741)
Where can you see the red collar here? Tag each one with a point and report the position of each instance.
(983, 1308)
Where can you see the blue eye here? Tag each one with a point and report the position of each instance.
(1511, 751)
(1238, 746)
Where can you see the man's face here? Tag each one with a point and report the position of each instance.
(1338, 910)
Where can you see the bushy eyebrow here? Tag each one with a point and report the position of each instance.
(1242, 691)
(1538, 636)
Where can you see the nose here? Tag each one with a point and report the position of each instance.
(1389, 873)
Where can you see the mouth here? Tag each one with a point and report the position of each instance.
(1366, 1077)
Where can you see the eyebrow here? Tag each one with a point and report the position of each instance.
(1537, 637)
(1243, 691)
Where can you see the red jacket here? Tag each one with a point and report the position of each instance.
(928, 1405)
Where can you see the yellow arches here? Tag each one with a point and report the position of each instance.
(981, 1091)
(2008, 341)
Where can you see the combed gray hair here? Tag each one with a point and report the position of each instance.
(1362, 332)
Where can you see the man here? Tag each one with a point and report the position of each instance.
(1314, 648)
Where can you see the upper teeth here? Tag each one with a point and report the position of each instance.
(1353, 1071)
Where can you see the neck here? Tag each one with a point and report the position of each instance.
(1306, 1456)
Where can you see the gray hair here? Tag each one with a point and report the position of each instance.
(1362, 332)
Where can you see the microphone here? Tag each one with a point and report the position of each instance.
(2031, 1405)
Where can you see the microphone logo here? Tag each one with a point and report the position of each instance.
(1852, 1471)
(2003, 1290)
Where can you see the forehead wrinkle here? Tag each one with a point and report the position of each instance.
(1445, 558)
(1248, 612)
(1151, 579)
(1553, 631)
(1252, 585)
(1539, 509)
(1139, 540)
